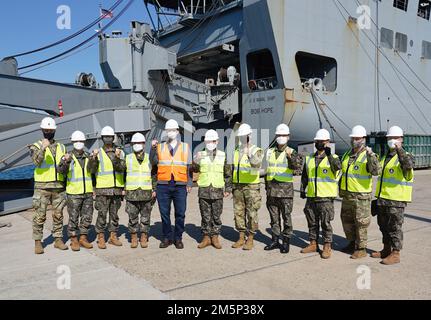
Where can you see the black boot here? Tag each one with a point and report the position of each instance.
(273, 245)
(285, 246)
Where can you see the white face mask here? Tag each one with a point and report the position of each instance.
(78, 145)
(138, 147)
(211, 146)
(391, 143)
(172, 135)
(282, 140)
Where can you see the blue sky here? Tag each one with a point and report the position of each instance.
(30, 24)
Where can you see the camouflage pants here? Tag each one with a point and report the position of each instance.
(103, 205)
(211, 210)
(319, 213)
(356, 218)
(41, 199)
(80, 212)
(390, 221)
(280, 207)
(246, 204)
(136, 208)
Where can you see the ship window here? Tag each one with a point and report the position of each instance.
(401, 42)
(261, 70)
(401, 4)
(312, 66)
(424, 9)
(386, 38)
(426, 50)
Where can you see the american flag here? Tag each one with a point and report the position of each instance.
(105, 13)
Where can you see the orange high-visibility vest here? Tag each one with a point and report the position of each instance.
(172, 165)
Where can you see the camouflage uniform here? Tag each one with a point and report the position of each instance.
(140, 202)
(319, 210)
(79, 206)
(108, 199)
(279, 200)
(247, 199)
(211, 200)
(390, 217)
(356, 206)
(46, 193)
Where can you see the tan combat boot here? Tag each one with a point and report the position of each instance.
(240, 241)
(215, 242)
(38, 248)
(326, 254)
(74, 244)
(101, 241)
(358, 254)
(59, 244)
(83, 241)
(206, 241)
(312, 247)
(382, 254)
(249, 243)
(134, 240)
(393, 258)
(144, 240)
(113, 239)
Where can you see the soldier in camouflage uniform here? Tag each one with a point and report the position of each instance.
(49, 185)
(79, 189)
(319, 177)
(246, 187)
(393, 192)
(280, 163)
(140, 191)
(109, 186)
(358, 166)
(215, 182)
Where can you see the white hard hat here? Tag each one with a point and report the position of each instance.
(358, 132)
(244, 130)
(171, 124)
(107, 131)
(211, 135)
(48, 123)
(395, 131)
(78, 136)
(138, 137)
(322, 134)
(282, 129)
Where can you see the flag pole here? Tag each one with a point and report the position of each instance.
(100, 23)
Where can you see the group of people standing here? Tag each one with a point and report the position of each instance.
(165, 174)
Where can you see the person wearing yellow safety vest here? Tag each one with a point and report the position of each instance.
(359, 165)
(215, 182)
(319, 184)
(140, 194)
(393, 192)
(79, 190)
(247, 162)
(280, 163)
(109, 165)
(49, 186)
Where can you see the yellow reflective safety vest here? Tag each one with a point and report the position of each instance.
(391, 184)
(106, 177)
(211, 172)
(278, 168)
(79, 178)
(243, 172)
(355, 177)
(322, 182)
(138, 174)
(47, 171)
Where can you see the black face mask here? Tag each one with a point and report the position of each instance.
(49, 135)
(108, 140)
(319, 145)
